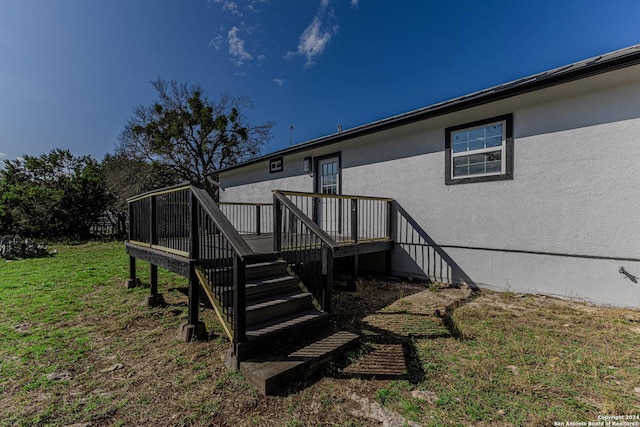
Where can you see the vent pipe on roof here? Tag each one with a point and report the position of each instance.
(339, 128)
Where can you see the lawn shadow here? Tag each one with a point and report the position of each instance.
(390, 317)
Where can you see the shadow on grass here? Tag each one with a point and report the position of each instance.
(389, 331)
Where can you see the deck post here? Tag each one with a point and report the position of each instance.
(132, 221)
(258, 220)
(132, 281)
(153, 217)
(354, 220)
(391, 233)
(239, 302)
(194, 299)
(327, 272)
(154, 299)
(154, 279)
(132, 268)
(277, 224)
(193, 329)
(354, 235)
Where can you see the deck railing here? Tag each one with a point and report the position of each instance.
(308, 250)
(160, 219)
(346, 218)
(184, 220)
(249, 218)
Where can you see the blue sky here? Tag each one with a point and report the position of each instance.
(71, 71)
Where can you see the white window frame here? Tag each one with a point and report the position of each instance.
(502, 149)
(505, 148)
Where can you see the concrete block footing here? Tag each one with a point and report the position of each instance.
(231, 361)
(131, 283)
(188, 332)
(154, 300)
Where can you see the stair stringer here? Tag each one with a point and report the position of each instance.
(227, 326)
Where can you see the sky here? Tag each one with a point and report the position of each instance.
(71, 71)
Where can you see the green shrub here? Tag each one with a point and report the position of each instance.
(14, 247)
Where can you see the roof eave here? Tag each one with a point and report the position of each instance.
(566, 74)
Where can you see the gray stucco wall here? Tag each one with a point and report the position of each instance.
(563, 226)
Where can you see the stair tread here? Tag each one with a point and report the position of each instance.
(278, 299)
(265, 269)
(282, 323)
(267, 263)
(271, 372)
(272, 280)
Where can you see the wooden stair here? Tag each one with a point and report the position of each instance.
(287, 336)
(278, 309)
(274, 372)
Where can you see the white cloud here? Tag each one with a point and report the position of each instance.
(315, 37)
(236, 47)
(232, 7)
(252, 5)
(216, 42)
(313, 41)
(354, 3)
(261, 58)
(279, 82)
(3, 155)
(229, 6)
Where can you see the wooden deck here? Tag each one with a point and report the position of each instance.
(269, 289)
(263, 244)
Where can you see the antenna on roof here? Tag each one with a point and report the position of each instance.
(290, 134)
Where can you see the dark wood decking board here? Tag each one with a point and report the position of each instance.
(263, 244)
(175, 263)
(279, 369)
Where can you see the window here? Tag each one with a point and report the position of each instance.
(275, 165)
(480, 151)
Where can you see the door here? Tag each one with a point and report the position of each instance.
(328, 210)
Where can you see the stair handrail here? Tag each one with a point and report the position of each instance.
(281, 197)
(334, 196)
(318, 282)
(227, 229)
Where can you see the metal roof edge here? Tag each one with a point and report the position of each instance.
(611, 61)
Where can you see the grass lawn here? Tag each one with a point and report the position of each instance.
(76, 347)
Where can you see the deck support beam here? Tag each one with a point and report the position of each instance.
(356, 267)
(154, 299)
(193, 329)
(132, 281)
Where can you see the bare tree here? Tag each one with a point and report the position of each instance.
(191, 134)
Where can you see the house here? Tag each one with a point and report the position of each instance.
(530, 186)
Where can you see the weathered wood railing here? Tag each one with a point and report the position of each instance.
(306, 247)
(184, 220)
(346, 218)
(249, 218)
